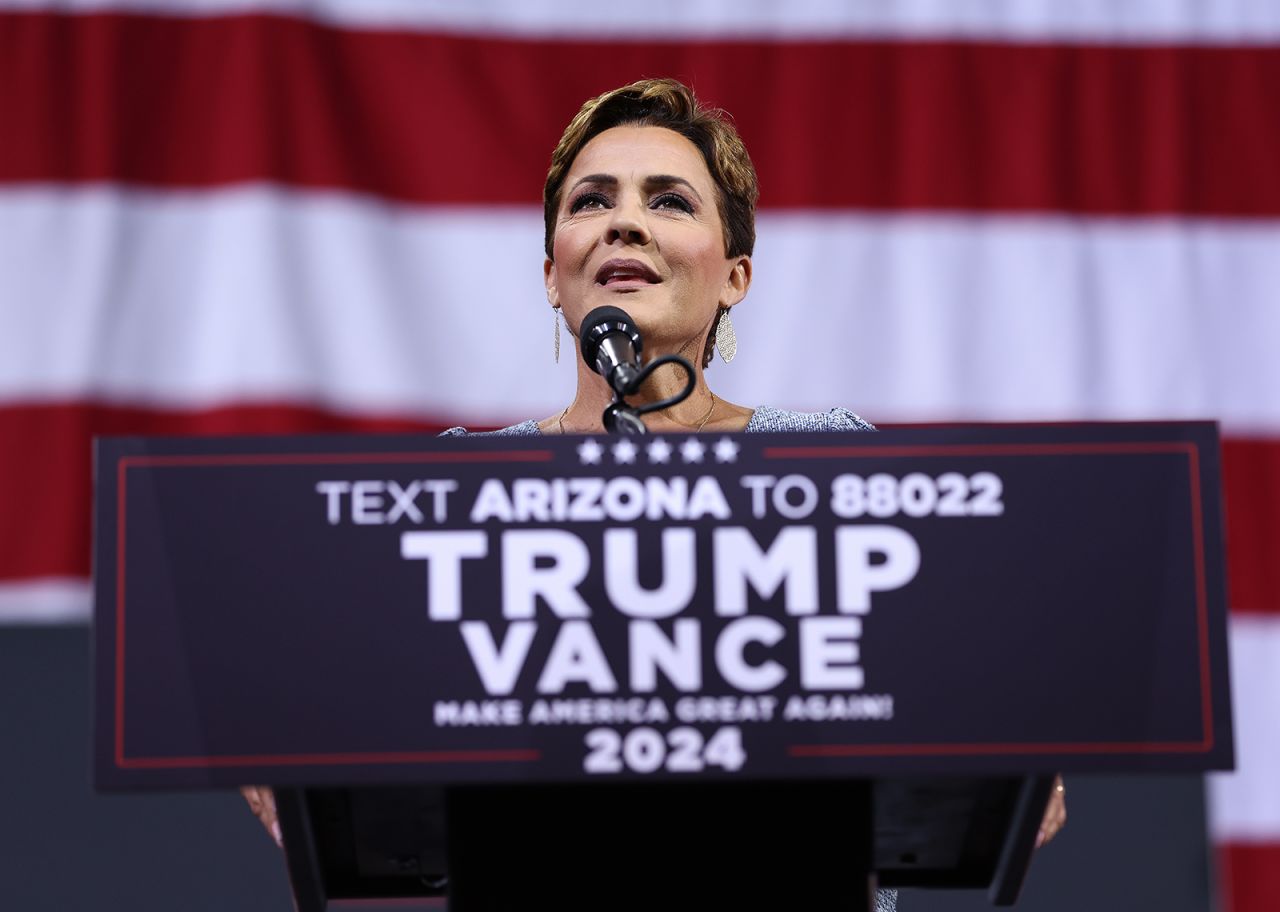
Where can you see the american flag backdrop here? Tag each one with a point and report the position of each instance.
(224, 217)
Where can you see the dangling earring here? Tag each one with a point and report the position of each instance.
(557, 313)
(726, 338)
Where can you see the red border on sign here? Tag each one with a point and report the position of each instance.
(1188, 449)
(515, 755)
(524, 755)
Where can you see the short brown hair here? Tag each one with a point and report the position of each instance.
(670, 104)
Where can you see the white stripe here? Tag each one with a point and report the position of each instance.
(1010, 318)
(254, 295)
(45, 601)
(1130, 21)
(257, 294)
(1244, 806)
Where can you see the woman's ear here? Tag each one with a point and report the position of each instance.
(549, 279)
(739, 280)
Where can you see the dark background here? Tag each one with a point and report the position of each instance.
(1131, 844)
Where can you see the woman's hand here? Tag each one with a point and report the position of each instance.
(1055, 814)
(263, 804)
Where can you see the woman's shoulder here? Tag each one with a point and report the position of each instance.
(767, 418)
(763, 419)
(523, 429)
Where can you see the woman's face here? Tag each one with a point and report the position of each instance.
(638, 228)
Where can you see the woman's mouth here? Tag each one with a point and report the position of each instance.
(620, 273)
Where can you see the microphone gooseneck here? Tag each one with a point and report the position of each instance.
(611, 346)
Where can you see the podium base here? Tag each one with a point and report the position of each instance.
(667, 845)
(639, 846)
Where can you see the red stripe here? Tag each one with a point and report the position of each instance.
(1249, 877)
(45, 481)
(514, 755)
(979, 449)
(1251, 489)
(122, 483)
(958, 749)
(431, 118)
(1202, 597)
(298, 459)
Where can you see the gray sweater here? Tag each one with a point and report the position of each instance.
(763, 419)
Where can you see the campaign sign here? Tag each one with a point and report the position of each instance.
(981, 599)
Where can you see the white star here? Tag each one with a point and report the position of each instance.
(726, 450)
(624, 451)
(659, 450)
(691, 450)
(589, 452)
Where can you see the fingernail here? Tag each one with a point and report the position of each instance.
(275, 831)
(1039, 839)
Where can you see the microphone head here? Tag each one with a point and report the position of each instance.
(601, 323)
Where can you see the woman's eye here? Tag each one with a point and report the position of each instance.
(588, 201)
(673, 201)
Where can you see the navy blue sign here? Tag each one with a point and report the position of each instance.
(396, 609)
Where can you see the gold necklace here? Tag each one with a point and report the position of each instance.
(707, 416)
(701, 424)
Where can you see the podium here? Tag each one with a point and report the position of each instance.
(754, 670)
(759, 845)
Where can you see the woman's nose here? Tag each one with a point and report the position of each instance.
(628, 222)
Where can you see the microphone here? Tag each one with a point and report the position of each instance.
(611, 347)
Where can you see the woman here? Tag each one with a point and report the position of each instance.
(649, 205)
